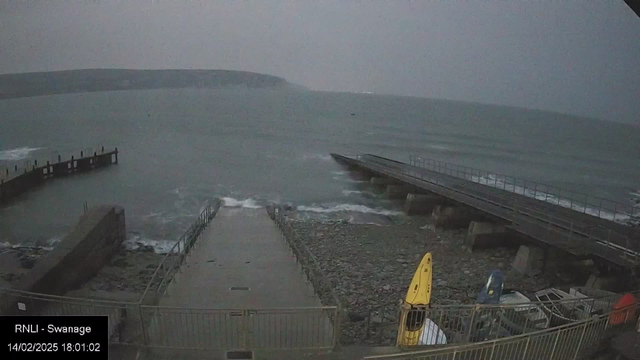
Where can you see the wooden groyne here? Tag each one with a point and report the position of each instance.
(14, 182)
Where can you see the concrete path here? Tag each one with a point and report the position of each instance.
(241, 288)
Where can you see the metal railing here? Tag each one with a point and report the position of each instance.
(580, 202)
(131, 323)
(474, 322)
(265, 329)
(526, 219)
(480, 322)
(125, 324)
(310, 266)
(567, 342)
(172, 261)
(145, 325)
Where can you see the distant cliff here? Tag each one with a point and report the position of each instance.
(74, 81)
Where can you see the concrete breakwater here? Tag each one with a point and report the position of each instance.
(94, 240)
(14, 182)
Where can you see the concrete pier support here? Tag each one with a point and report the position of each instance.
(360, 175)
(396, 192)
(528, 260)
(609, 283)
(421, 203)
(485, 235)
(382, 181)
(454, 217)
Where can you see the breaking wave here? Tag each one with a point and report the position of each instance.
(159, 246)
(17, 153)
(439, 147)
(322, 157)
(248, 203)
(348, 207)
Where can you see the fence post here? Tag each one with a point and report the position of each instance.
(243, 339)
(584, 330)
(526, 347)
(473, 315)
(145, 339)
(555, 343)
(493, 349)
(337, 332)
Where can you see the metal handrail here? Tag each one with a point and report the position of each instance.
(454, 349)
(66, 299)
(169, 265)
(562, 195)
(311, 267)
(501, 200)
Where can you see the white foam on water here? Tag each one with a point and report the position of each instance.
(366, 194)
(248, 203)
(348, 207)
(8, 245)
(321, 157)
(348, 180)
(17, 153)
(439, 147)
(339, 172)
(159, 246)
(54, 241)
(492, 181)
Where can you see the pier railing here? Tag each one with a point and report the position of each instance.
(461, 323)
(580, 202)
(312, 270)
(16, 180)
(172, 261)
(567, 342)
(563, 230)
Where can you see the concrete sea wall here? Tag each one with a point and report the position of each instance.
(76, 259)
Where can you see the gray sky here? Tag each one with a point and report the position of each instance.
(579, 57)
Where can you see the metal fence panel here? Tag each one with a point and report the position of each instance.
(265, 329)
(191, 329)
(124, 325)
(568, 342)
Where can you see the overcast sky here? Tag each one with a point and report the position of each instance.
(580, 57)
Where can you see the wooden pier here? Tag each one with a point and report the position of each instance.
(14, 182)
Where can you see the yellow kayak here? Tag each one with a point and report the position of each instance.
(413, 318)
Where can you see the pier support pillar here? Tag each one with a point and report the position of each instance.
(396, 192)
(485, 235)
(609, 283)
(382, 181)
(421, 203)
(454, 217)
(528, 260)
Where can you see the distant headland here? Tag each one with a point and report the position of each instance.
(89, 80)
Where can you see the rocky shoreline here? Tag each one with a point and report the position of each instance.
(371, 266)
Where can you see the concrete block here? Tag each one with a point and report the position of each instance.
(454, 217)
(79, 256)
(396, 192)
(528, 260)
(382, 181)
(421, 203)
(609, 283)
(485, 235)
